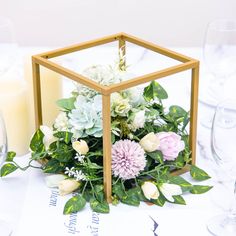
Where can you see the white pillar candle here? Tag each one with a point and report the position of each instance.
(51, 91)
(14, 106)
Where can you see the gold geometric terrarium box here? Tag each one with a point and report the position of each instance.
(186, 63)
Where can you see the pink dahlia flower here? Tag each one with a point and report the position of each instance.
(128, 159)
(170, 145)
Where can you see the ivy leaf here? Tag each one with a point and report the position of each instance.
(63, 153)
(176, 112)
(66, 103)
(100, 207)
(119, 191)
(160, 201)
(179, 200)
(7, 169)
(53, 166)
(154, 90)
(74, 205)
(10, 156)
(199, 189)
(131, 199)
(36, 144)
(185, 185)
(198, 174)
(157, 156)
(64, 135)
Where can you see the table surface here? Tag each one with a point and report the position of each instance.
(25, 199)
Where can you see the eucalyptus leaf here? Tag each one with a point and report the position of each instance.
(74, 205)
(7, 169)
(198, 174)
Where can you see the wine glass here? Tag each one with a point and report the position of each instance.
(8, 45)
(219, 52)
(5, 229)
(223, 145)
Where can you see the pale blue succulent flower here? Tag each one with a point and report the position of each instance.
(86, 118)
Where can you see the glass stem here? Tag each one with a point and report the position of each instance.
(233, 203)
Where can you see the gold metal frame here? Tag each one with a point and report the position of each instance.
(106, 91)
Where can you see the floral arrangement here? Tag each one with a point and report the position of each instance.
(148, 143)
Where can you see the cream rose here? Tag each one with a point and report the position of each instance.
(150, 142)
(81, 147)
(170, 190)
(52, 181)
(67, 186)
(150, 190)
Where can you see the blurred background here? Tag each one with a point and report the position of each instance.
(61, 22)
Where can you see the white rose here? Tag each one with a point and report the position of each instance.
(62, 122)
(81, 147)
(119, 105)
(53, 181)
(150, 190)
(150, 142)
(170, 190)
(67, 186)
(48, 136)
(139, 120)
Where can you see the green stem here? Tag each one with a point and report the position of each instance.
(116, 181)
(85, 185)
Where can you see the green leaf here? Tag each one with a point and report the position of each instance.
(185, 185)
(7, 169)
(179, 200)
(160, 201)
(198, 189)
(198, 174)
(99, 192)
(10, 156)
(66, 103)
(131, 199)
(64, 135)
(119, 191)
(100, 207)
(36, 144)
(157, 156)
(176, 112)
(154, 90)
(74, 204)
(53, 166)
(138, 192)
(63, 153)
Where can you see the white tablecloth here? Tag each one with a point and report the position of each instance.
(33, 209)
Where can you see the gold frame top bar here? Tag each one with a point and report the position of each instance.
(41, 59)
